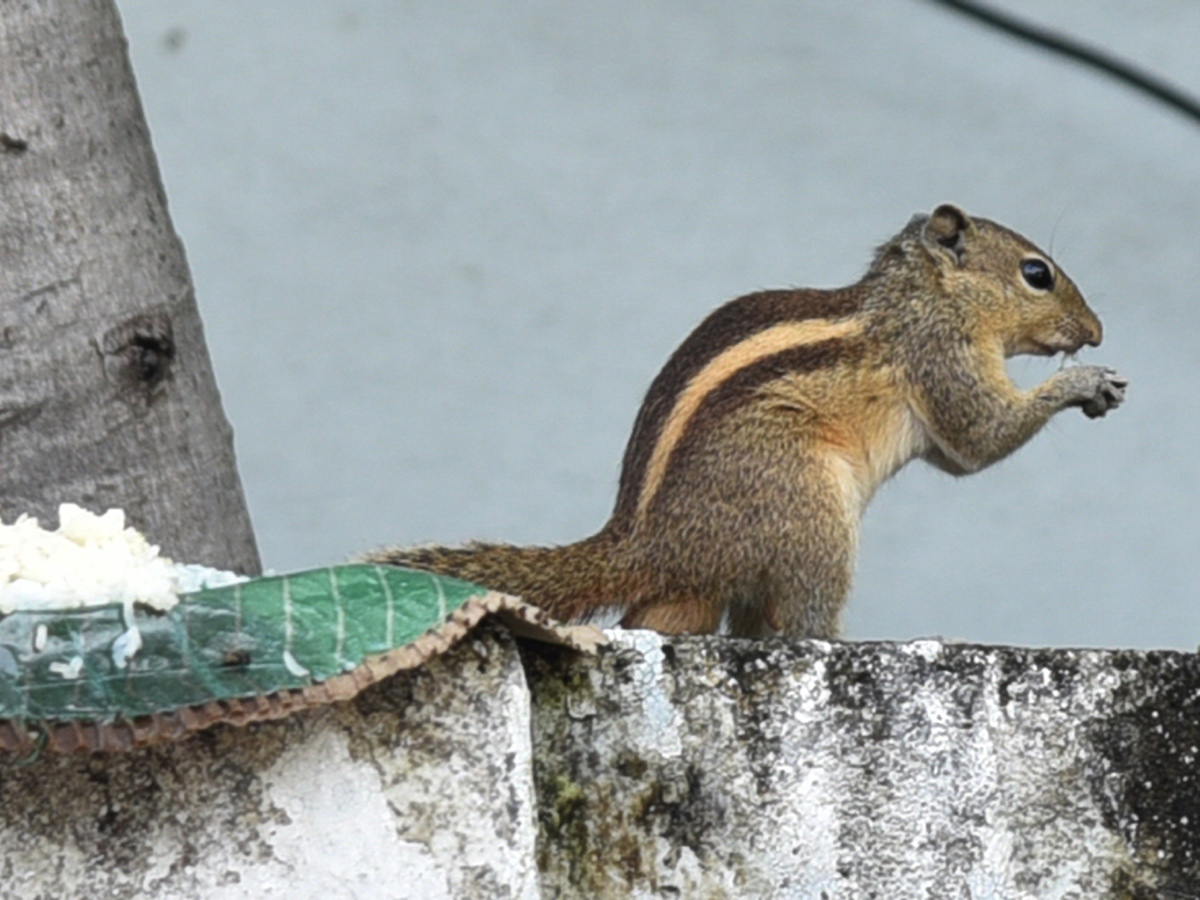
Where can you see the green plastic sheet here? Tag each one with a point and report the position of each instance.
(246, 640)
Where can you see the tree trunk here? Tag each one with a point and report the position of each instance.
(107, 396)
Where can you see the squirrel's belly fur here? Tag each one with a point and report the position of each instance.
(763, 438)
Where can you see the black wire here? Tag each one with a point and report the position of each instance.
(1068, 46)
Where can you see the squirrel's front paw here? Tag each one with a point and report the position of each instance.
(1097, 389)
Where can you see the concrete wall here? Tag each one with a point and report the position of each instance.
(421, 788)
(695, 767)
(441, 248)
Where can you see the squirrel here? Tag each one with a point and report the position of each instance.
(761, 441)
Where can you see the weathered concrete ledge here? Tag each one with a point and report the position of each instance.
(421, 787)
(721, 768)
(664, 768)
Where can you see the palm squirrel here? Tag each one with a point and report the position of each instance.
(762, 439)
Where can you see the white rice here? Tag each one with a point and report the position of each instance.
(92, 560)
(72, 669)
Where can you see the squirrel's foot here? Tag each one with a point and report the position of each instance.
(1110, 395)
(1095, 389)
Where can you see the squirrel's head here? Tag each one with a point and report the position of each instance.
(1014, 288)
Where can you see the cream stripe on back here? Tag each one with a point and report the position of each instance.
(723, 366)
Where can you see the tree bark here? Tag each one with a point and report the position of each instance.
(107, 396)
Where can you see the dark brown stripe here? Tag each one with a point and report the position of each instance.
(724, 327)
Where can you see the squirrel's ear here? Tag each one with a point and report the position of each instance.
(947, 230)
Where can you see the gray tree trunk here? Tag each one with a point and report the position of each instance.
(107, 396)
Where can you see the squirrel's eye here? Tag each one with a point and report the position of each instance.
(1037, 274)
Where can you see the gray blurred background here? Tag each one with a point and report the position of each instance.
(441, 248)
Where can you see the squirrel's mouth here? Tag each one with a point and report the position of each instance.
(1041, 348)
(1057, 344)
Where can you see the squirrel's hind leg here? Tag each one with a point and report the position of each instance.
(803, 557)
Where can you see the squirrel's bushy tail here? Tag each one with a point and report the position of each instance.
(568, 582)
